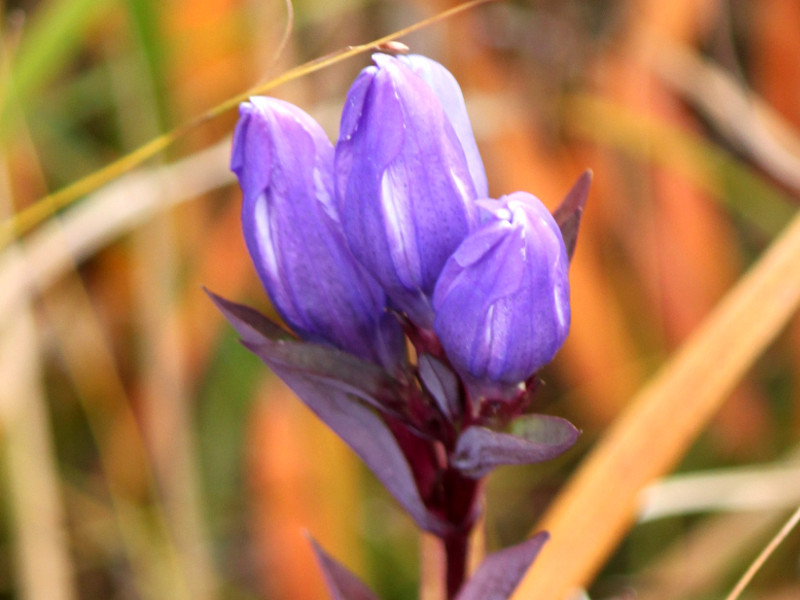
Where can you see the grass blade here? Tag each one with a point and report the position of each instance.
(600, 503)
(764, 555)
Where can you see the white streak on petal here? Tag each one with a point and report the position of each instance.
(266, 243)
(402, 243)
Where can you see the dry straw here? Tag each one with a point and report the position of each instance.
(599, 505)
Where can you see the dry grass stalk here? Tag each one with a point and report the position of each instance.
(662, 421)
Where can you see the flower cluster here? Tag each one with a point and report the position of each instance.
(388, 236)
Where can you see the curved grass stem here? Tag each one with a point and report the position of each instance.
(25, 220)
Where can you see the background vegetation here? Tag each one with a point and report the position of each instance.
(145, 454)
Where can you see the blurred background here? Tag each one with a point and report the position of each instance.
(144, 454)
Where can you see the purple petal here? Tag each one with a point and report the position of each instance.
(336, 386)
(291, 226)
(403, 183)
(569, 212)
(446, 88)
(502, 300)
(500, 572)
(342, 583)
(536, 438)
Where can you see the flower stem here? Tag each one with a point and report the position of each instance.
(455, 548)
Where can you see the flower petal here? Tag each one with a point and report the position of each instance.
(502, 300)
(291, 226)
(446, 88)
(403, 183)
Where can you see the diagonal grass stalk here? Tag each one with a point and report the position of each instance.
(36, 213)
(764, 555)
(600, 503)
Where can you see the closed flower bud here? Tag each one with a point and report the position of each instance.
(502, 300)
(284, 163)
(447, 90)
(404, 183)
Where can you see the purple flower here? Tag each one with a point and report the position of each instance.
(284, 163)
(406, 178)
(397, 219)
(502, 300)
(446, 88)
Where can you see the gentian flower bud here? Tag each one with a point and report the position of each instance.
(446, 88)
(404, 184)
(502, 300)
(291, 226)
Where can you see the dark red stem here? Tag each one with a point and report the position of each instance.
(456, 549)
(461, 494)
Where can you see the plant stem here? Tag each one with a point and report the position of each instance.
(455, 548)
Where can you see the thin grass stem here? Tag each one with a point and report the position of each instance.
(764, 555)
(39, 211)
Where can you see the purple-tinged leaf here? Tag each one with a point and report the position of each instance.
(342, 583)
(364, 432)
(338, 388)
(501, 571)
(536, 438)
(338, 369)
(345, 371)
(569, 212)
(248, 322)
(442, 384)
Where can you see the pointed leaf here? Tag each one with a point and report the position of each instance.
(500, 572)
(536, 438)
(342, 583)
(361, 429)
(442, 384)
(248, 323)
(335, 386)
(569, 212)
(345, 371)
